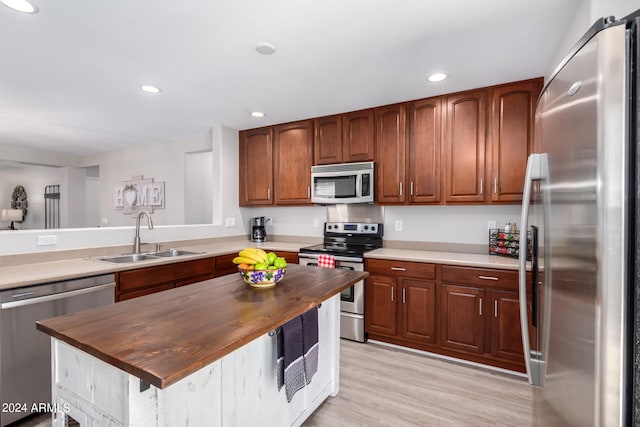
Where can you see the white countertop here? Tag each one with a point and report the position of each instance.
(43, 272)
(453, 258)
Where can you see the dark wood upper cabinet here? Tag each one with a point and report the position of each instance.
(464, 147)
(390, 137)
(256, 167)
(293, 157)
(512, 110)
(357, 136)
(425, 141)
(327, 140)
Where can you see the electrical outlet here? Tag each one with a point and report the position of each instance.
(230, 222)
(316, 223)
(47, 240)
(398, 225)
(491, 225)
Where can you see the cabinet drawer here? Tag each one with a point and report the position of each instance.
(480, 276)
(401, 268)
(144, 277)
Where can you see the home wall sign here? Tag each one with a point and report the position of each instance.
(139, 194)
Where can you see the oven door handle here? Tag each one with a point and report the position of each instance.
(302, 256)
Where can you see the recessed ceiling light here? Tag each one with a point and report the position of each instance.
(20, 5)
(257, 114)
(265, 48)
(437, 77)
(150, 89)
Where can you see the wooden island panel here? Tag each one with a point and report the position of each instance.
(164, 337)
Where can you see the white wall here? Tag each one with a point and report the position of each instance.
(33, 178)
(442, 224)
(224, 144)
(586, 14)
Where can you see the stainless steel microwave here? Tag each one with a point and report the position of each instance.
(342, 183)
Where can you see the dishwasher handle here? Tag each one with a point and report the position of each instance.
(53, 297)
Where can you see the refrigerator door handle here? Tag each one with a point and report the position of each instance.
(532, 174)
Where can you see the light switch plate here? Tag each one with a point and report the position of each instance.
(398, 225)
(316, 223)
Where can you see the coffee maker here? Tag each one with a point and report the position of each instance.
(258, 232)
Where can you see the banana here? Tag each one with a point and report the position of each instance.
(250, 255)
(261, 253)
(258, 252)
(244, 260)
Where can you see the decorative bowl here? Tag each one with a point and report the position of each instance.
(262, 279)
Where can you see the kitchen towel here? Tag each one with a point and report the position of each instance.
(327, 261)
(310, 345)
(297, 352)
(290, 362)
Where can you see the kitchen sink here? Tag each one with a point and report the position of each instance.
(121, 259)
(175, 252)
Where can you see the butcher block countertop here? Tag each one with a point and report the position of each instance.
(164, 337)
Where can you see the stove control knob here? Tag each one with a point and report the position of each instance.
(366, 227)
(373, 228)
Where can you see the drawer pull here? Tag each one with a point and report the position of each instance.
(398, 269)
(488, 278)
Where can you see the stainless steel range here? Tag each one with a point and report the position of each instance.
(347, 242)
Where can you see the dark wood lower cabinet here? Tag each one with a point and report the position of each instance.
(418, 311)
(462, 312)
(381, 308)
(461, 319)
(144, 281)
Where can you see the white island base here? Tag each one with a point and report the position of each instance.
(238, 390)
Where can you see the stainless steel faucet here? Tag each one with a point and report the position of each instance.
(136, 240)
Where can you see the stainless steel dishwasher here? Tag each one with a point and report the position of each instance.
(25, 352)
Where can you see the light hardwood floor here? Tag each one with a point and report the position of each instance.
(382, 386)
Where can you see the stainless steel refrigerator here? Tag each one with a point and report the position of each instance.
(579, 206)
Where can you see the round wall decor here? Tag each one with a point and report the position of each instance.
(19, 199)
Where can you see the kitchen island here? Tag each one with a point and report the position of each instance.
(195, 355)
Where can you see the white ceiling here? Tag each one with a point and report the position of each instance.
(70, 75)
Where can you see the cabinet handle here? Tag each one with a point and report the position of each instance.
(308, 192)
(495, 308)
(411, 188)
(401, 188)
(392, 293)
(480, 306)
(481, 186)
(488, 278)
(404, 295)
(268, 193)
(495, 185)
(398, 269)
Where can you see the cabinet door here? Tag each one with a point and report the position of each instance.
(390, 136)
(293, 156)
(357, 136)
(380, 305)
(256, 167)
(425, 122)
(506, 334)
(462, 318)
(512, 137)
(464, 148)
(419, 311)
(327, 140)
